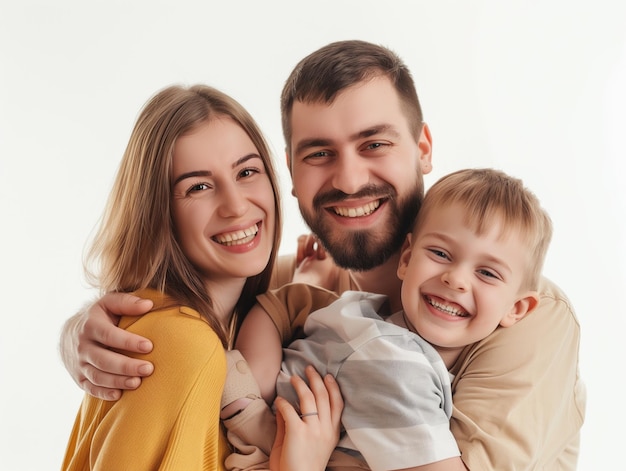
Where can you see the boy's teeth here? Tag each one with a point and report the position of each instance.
(447, 309)
(364, 210)
(237, 237)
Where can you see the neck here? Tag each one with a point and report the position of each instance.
(225, 294)
(382, 280)
(449, 355)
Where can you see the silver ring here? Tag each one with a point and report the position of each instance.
(308, 414)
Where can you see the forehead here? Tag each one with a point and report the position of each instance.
(220, 139)
(371, 103)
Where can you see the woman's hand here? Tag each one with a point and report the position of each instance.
(305, 441)
(87, 337)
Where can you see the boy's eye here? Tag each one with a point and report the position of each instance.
(489, 274)
(439, 253)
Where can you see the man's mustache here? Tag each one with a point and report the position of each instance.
(368, 191)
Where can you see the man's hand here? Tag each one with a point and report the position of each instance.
(85, 345)
(313, 265)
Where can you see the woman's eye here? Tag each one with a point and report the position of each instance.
(198, 187)
(248, 172)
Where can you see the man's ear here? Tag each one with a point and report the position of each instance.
(425, 145)
(405, 256)
(522, 307)
(288, 161)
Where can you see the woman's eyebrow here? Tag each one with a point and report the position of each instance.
(208, 173)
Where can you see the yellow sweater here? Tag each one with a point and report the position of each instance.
(172, 421)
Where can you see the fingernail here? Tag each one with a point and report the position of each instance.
(112, 395)
(132, 383)
(145, 369)
(330, 378)
(145, 346)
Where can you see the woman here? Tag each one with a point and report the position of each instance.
(193, 224)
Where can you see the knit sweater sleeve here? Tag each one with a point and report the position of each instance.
(171, 421)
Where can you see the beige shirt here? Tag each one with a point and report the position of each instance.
(518, 400)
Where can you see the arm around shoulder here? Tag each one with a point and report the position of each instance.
(86, 336)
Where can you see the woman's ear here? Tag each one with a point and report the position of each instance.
(522, 307)
(405, 256)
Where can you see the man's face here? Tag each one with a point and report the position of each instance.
(357, 172)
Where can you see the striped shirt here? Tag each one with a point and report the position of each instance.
(395, 386)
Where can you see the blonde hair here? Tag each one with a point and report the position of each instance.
(136, 245)
(488, 194)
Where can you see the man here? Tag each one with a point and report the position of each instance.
(357, 149)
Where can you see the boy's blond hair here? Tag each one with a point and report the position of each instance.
(486, 194)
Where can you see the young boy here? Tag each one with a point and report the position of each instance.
(470, 266)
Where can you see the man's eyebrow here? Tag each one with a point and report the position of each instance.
(310, 143)
(208, 173)
(376, 130)
(369, 132)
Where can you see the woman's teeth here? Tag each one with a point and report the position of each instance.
(237, 237)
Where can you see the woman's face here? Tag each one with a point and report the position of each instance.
(223, 202)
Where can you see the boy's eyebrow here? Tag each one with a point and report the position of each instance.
(208, 173)
(369, 132)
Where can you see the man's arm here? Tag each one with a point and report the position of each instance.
(517, 396)
(86, 340)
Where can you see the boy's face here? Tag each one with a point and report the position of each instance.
(357, 172)
(459, 286)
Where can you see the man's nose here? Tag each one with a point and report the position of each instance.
(351, 172)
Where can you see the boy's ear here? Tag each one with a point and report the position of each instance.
(405, 256)
(522, 307)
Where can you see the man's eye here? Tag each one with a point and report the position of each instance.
(321, 153)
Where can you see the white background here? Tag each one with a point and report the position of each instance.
(536, 88)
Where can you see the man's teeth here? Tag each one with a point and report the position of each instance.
(447, 309)
(237, 237)
(364, 210)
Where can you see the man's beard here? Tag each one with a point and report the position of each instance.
(365, 249)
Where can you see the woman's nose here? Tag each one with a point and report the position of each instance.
(233, 202)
